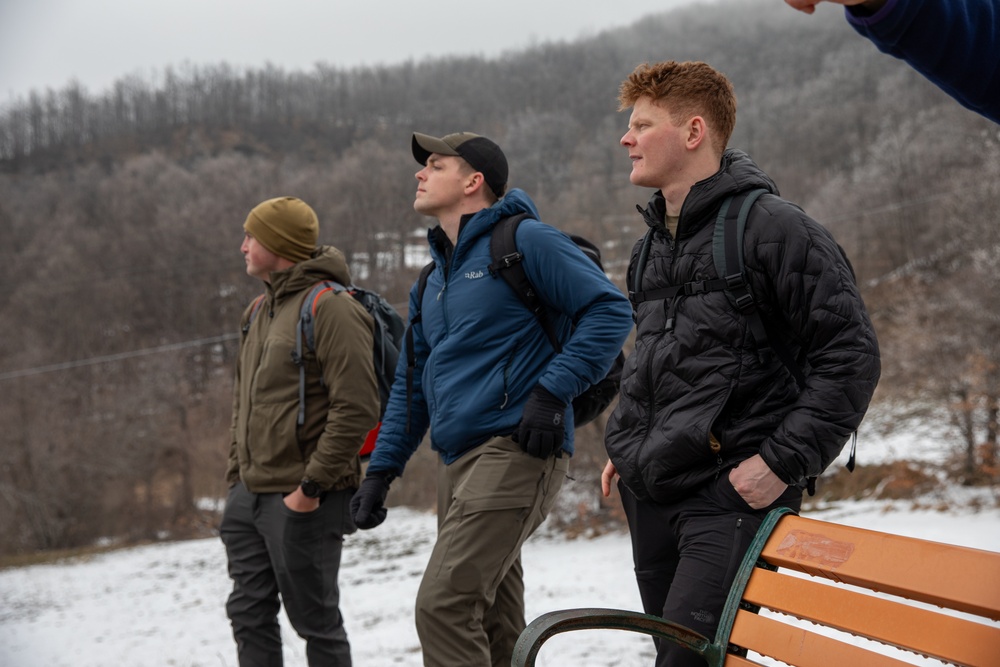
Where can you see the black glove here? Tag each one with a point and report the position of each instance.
(542, 428)
(368, 503)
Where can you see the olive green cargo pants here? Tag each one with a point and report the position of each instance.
(470, 605)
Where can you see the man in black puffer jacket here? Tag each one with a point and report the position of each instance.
(710, 433)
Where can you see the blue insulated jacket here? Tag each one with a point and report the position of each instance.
(479, 351)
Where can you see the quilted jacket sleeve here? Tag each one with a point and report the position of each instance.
(811, 286)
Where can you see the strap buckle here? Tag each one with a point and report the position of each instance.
(505, 262)
(695, 287)
(509, 260)
(733, 280)
(744, 302)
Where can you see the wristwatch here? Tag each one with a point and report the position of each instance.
(311, 488)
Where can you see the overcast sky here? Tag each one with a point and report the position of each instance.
(46, 43)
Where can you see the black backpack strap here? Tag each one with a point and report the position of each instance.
(727, 252)
(636, 295)
(508, 264)
(305, 333)
(589, 249)
(411, 362)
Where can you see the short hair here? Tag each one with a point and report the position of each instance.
(686, 89)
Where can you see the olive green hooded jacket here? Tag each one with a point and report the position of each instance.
(268, 451)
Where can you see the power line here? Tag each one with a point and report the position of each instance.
(93, 361)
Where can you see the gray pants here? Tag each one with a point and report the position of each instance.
(470, 605)
(272, 550)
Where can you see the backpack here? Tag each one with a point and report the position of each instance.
(506, 262)
(727, 255)
(388, 338)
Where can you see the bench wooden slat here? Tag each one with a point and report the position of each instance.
(802, 648)
(922, 631)
(945, 575)
(738, 661)
(957, 578)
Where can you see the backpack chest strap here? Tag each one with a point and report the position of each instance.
(687, 289)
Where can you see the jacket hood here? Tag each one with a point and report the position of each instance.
(737, 173)
(327, 263)
(514, 202)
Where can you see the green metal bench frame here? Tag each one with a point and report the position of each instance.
(924, 597)
(715, 652)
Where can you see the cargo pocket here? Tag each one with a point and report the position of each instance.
(302, 536)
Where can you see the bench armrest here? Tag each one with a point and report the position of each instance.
(555, 622)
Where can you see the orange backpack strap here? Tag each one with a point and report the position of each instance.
(254, 308)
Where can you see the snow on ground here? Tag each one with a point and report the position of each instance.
(163, 605)
(892, 432)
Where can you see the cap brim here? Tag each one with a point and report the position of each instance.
(424, 144)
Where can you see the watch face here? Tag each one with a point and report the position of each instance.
(310, 489)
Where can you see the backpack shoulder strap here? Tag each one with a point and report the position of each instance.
(254, 309)
(307, 311)
(636, 295)
(727, 240)
(727, 253)
(305, 333)
(411, 362)
(508, 264)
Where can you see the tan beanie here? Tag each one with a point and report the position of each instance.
(287, 226)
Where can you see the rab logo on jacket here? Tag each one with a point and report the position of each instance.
(473, 275)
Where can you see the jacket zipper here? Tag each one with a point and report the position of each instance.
(506, 381)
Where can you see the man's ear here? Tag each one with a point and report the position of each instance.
(697, 132)
(474, 182)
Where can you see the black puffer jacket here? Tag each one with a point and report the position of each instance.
(704, 374)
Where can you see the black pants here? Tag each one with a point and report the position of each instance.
(272, 550)
(687, 554)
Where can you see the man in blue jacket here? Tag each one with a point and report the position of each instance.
(495, 395)
(954, 44)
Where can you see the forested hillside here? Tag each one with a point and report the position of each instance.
(121, 214)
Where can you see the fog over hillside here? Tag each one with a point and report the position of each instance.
(121, 213)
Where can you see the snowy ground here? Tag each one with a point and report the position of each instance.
(163, 605)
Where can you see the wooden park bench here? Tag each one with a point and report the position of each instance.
(882, 587)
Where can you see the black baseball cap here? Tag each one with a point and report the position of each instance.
(482, 155)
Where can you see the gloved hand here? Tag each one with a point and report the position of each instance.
(541, 431)
(368, 503)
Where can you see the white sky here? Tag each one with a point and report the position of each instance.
(46, 43)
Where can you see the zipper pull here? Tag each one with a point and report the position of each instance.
(671, 313)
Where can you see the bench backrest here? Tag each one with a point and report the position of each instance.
(875, 566)
(923, 597)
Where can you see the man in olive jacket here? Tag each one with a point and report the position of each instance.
(291, 484)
